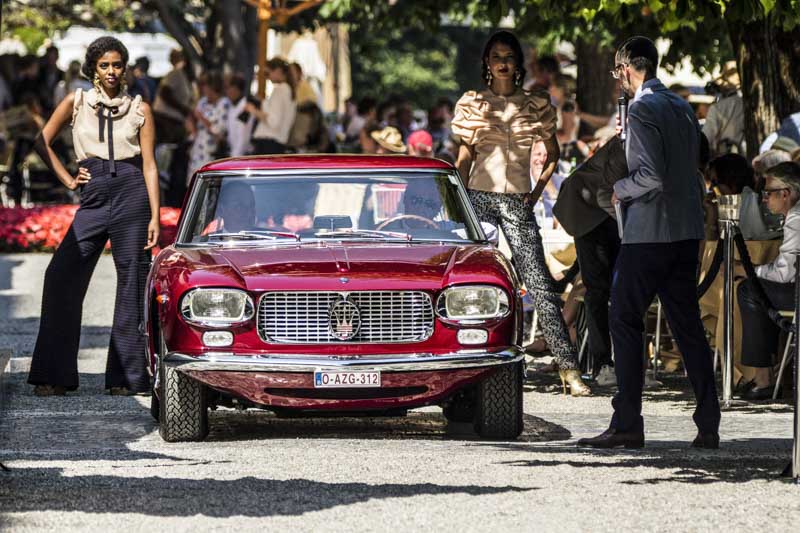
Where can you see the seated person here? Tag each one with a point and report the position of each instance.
(235, 210)
(760, 345)
(421, 199)
(731, 174)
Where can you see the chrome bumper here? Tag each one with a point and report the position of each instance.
(417, 362)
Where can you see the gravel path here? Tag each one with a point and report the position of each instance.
(93, 462)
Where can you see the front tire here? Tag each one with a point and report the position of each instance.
(499, 404)
(183, 407)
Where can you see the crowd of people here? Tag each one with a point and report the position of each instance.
(211, 115)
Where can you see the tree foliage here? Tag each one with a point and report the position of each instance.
(761, 34)
(35, 21)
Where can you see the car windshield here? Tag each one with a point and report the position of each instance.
(402, 207)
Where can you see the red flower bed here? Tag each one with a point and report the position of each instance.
(41, 229)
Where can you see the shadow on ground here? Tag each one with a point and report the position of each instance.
(738, 461)
(45, 489)
(254, 425)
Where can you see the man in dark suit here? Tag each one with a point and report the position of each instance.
(585, 211)
(663, 226)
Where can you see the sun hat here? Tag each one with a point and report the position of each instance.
(784, 143)
(389, 138)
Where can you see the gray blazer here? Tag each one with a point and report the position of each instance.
(663, 193)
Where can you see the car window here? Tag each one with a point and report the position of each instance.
(422, 206)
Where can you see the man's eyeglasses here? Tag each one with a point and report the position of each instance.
(616, 72)
(766, 193)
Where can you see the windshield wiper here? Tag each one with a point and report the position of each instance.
(253, 235)
(372, 233)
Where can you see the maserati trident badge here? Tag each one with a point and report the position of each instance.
(345, 319)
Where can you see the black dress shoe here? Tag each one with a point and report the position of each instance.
(611, 438)
(709, 441)
(756, 394)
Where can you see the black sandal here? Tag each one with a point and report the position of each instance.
(49, 390)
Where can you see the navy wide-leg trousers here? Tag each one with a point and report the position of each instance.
(112, 207)
(668, 270)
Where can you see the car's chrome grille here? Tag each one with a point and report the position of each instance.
(305, 317)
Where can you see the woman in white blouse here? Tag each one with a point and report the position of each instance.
(211, 118)
(276, 116)
(760, 345)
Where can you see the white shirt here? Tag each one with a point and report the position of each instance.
(239, 132)
(280, 109)
(782, 269)
(725, 121)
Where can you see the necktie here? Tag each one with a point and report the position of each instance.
(102, 118)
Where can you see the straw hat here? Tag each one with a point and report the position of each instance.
(729, 78)
(389, 138)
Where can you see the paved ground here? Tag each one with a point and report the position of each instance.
(93, 462)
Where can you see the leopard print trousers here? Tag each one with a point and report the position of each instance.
(513, 214)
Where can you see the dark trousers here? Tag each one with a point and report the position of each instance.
(267, 147)
(597, 253)
(760, 345)
(114, 207)
(669, 271)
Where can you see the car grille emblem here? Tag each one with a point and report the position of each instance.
(345, 319)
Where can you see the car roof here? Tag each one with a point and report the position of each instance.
(326, 161)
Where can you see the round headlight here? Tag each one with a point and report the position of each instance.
(473, 302)
(217, 306)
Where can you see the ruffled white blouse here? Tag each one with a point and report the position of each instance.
(127, 116)
(502, 130)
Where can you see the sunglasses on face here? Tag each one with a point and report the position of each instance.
(616, 72)
(766, 193)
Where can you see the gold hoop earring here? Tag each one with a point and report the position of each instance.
(96, 82)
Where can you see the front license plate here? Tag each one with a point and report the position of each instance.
(323, 380)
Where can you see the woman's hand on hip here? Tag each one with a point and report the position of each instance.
(153, 230)
(82, 178)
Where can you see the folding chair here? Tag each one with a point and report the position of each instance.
(787, 354)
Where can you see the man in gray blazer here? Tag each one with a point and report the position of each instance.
(663, 225)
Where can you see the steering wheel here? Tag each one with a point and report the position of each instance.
(400, 218)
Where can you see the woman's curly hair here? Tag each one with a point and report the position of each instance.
(97, 49)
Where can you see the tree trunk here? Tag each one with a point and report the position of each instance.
(236, 57)
(596, 91)
(249, 53)
(175, 28)
(769, 60)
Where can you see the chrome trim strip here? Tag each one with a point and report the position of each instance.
(413, 362)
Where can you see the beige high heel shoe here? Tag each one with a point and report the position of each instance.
(572, 378)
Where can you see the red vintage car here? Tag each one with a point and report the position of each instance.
(352, 285)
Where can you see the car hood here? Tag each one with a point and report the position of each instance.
(341, 266)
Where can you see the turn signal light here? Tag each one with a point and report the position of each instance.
(472, 336)
(217, 338)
